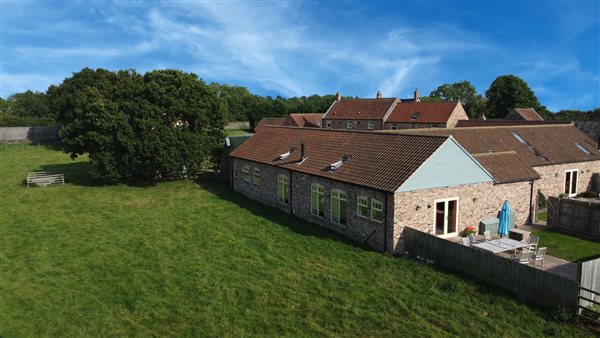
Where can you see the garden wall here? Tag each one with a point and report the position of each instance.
(540, 287)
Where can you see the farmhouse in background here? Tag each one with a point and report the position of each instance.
(392, 113)
(293, 120)
(523, 114)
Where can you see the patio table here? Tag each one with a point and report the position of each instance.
(500, 245)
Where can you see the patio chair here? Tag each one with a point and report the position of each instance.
(523, 257)
(533, 242)
(472, 239)
(487, 235)
(466, 241)
(538, 256)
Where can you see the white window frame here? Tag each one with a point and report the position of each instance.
(567, 172)
(365, 204)
(349, 125)
(446, 200)
(282, 179)
(328, 124)
(373, 202)
(338, 198)
(246, 173)
(370, 125)
(256, 176)
(394, 126)
(318, 189)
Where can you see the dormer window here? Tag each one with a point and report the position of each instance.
(335, 166)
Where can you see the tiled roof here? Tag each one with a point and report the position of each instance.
(305, 120)
(378, 161)
(488, 123)
(270, 121)
(428, 112)
(359, 109)
(547, 144)
(506, 167)
(529, 114)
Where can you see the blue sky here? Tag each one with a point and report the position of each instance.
(303, 48)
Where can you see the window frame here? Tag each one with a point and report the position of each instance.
(370, 125)
(246, 173)
(338, 208)
(446, 201)
(365, 205)
(285, 192)
(349, 125)
(374, 201)
(567, 172)
(256, 176)
(394, 126)
(328, 124)
(319, 190)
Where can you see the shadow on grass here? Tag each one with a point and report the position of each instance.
(78, 173)
(222, 189)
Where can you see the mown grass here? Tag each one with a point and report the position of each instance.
(194, 259)
(567, 246)
(543, 216)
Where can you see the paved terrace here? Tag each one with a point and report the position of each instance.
(552, 264)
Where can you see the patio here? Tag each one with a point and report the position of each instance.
(552, 264)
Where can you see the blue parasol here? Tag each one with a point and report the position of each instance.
(504, 218)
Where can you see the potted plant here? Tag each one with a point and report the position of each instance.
(468, 230)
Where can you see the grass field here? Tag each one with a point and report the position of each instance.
(568, 247)
(192, 258)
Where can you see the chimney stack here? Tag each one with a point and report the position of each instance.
(417, 94)
(338, 96)
(378, 94)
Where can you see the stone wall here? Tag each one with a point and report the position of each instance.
(357, 228)
(22, 134)
(459, 113)
(358, 124)
(476, 202)
(553, 177)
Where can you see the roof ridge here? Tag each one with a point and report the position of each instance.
(417, 130)
(374, 132)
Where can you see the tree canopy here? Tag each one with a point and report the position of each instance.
(25, 109)
(462, 91)
(149, 126)
(508, 92)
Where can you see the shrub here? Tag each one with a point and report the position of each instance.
(542, 202)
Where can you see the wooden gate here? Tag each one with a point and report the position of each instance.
(552, 204)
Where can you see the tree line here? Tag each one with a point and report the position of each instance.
(506, 92)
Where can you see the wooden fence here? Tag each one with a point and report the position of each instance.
(589, 291)
(540, 287)
(573, 215)
(21, 134)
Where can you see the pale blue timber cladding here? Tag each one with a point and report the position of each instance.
(450, 165)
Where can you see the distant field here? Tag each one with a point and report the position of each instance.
(194, 259)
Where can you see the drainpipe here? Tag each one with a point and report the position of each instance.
(531, 208)
(385, 222)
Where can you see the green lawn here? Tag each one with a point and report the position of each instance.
(194, 259)
(568, 247)
(543, 216)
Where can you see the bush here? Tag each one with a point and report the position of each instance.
(542, 202)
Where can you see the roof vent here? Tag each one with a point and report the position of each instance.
(415, 116)
(286, 155)
(335, 166)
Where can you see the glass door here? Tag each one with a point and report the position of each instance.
(446, 217)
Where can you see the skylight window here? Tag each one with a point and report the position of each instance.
(519, 137)
(335, 166)
(584, 149)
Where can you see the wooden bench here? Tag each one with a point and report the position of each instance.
(43, 178)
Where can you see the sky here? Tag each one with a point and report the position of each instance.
(306, 47)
